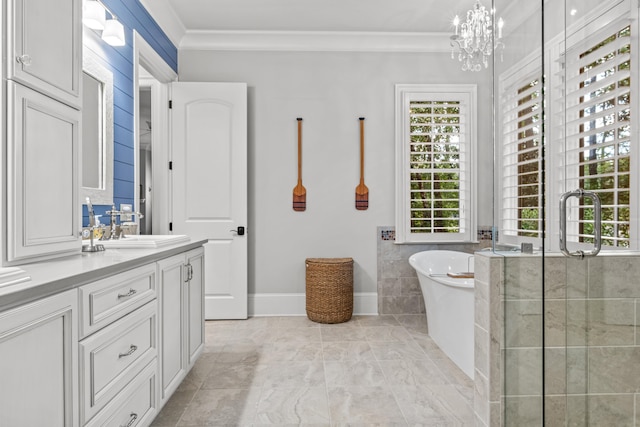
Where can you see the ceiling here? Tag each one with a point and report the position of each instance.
(320, 15)
(308, 24)
(376, 25)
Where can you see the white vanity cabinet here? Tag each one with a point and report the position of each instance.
(43, 137)
(42, 65)
(38, 363)
(181, 304)
(44, 46)
(103, 352)
(118, 348)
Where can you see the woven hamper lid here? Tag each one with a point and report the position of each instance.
(329, 260)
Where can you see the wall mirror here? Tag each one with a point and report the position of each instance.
(97, 130)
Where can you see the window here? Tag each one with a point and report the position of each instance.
(521, 171)
(435, 140)
(590, 138)
(599, 126)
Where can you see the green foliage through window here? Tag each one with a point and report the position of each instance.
(435, 150)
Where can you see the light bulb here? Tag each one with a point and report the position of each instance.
(113, 33)
(93, 15)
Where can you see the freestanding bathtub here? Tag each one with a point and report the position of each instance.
(449, 303)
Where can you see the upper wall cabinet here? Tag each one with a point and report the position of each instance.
(44, 46)
(43, 140)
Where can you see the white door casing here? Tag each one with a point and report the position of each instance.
(209, 186)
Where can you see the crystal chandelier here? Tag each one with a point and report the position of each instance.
(476, 38)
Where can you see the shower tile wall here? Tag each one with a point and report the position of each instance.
(398, 288)
(592, 340)
(488, 331)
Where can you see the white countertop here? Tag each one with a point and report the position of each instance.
(60, 274)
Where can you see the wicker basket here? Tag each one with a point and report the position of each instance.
(329, 289)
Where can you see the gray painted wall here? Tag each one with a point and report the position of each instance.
(329, 90)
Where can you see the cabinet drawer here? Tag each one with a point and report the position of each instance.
(112, 357)
(109, 299)
(136, 405)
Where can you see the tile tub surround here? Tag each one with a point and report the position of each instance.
(592, 340)
(372, 370)
(398, 287)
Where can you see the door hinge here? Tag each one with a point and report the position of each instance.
(170, 166)
(170, 104)
(170, 226)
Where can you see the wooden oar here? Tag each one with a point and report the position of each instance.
(362, 192)
(299, 192)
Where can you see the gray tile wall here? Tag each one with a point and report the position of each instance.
(398, 288)
(592, 340)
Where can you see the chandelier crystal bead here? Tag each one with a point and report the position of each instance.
(475, 39)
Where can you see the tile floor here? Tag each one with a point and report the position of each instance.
(373, 370)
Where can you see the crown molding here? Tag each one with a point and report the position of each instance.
(164, 15)
(315, 41)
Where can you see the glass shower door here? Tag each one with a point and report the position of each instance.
(566, 132)
(597, 68)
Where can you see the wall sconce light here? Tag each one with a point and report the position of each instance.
(93, 16)
(113, 33)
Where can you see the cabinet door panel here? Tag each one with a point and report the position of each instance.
(172, 320)
(45, 42)
(113, 356)
(38, 369)
(195, 298)
(43, 143)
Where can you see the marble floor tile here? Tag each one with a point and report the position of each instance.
(294, 374)
(285, 351)
(281, 406)
(415, 323)
(412, 372)
(345, 333)
(220, 407)
(173, 409)
(239, 353)
(351, 405)
(382, 320)
(296, 322)
(434, 405)
(359, 372)
(397, 350)
(386, 334)
(347, 350)
(235, 375)
(289, 371)
(298, 334)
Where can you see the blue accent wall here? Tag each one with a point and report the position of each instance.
(119, 60)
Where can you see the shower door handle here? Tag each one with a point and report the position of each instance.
(597, 223)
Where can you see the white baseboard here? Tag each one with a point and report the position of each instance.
(364, 303)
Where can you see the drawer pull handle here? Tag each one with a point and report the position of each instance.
(24, 59)
(132, 349)
(128, 294)
(132, 419)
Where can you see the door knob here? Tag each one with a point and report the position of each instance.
(239, 231)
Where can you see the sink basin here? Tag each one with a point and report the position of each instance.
(148, 241)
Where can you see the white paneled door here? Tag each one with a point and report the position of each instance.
(209, 186)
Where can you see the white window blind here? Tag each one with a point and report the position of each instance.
(522, 194)
(598, 132)
(435, 164)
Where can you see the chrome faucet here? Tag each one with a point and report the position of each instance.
(92, 227)
(116, 232)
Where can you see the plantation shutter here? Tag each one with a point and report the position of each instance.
(598, 132)
(522, 197)
(437, 167)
